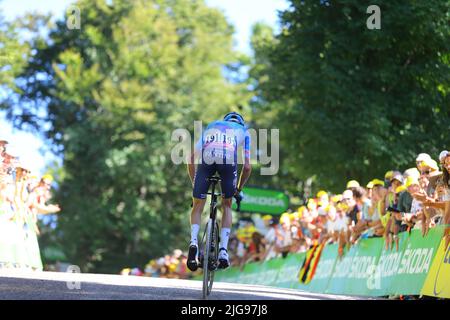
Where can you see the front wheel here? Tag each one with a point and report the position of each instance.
(206, 257)
(210, 256)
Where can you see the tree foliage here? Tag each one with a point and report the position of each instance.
(113, 92)
(13, 56)
(356, 102)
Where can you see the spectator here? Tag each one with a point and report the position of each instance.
(298, 238)
(414, 216)
(332, 228)
(283, 240)
(370, 221)
(353, 214)
(341, 226)
(379, 201)
(256, 249)
(445, 193)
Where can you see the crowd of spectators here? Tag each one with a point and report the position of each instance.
(23, 196)
(401, 202)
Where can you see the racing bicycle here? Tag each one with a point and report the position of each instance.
(209, 246)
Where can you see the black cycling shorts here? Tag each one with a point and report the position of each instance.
(228, 176)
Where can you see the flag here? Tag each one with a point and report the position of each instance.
(310, 263)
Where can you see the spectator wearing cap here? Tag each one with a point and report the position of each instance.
(379, 197)
(306, 226)
(404, 197)
(426, 166)
(333, 226)
(352, 184)
(353, 213)
(415, 215)
(395, 181)
(429, 175)
(323, 202)
(322, 199)
(369, 216)
(341, 226)
(421, 157)
(314, 220)
(369, 188)
(398, 222)
(266, 221)
(298, 242)
(387, 178)
(283, 241)
(271, 238)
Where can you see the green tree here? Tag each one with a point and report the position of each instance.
(113, 92)
(353, 102)
(13, 56)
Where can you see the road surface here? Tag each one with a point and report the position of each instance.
(27, 285)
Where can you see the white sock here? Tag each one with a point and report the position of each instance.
(194, 233)
(224, 235)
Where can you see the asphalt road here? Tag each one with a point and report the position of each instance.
(26, 285)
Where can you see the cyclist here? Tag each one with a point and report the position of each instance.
(218, 151)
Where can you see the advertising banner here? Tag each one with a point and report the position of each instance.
(437, 283)
(263, 201)
(368, 268)
(288, 273)
(411, 269)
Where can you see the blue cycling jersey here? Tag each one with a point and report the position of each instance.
(221, 140)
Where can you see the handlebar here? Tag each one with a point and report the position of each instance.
(237, 197)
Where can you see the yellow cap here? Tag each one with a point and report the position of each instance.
(301, 209)
(47, 177)
(322, 193)
(388, 175)
(312, 204)
(369, 185)
(352, 184)
(336, 198)
(411, 181)
(285, 217)
(377, 182)
(267, 217)
(400, 189)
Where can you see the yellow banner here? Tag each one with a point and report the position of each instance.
(437, 283)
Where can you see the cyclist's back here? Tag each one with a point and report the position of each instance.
(219, 153)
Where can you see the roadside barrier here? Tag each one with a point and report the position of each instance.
(419, 267)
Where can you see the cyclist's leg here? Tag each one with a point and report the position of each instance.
(201, 186)
(228, 175)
